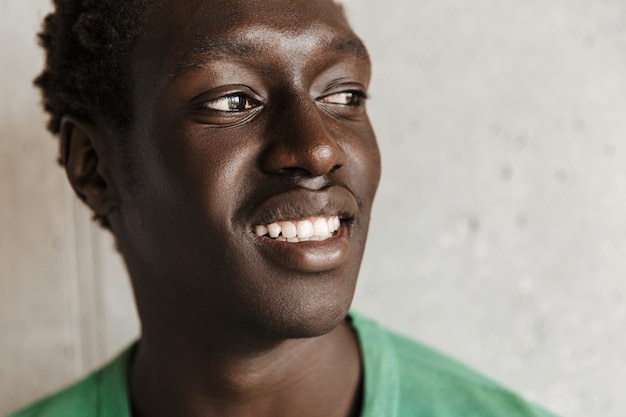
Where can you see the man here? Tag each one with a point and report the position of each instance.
(226, 146)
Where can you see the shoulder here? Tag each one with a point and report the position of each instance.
(72, 401)
(96, 395)
(428, 382)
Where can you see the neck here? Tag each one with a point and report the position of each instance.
(306, 377)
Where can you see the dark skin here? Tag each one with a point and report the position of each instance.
(245, 113)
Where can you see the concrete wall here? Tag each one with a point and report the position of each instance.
(499, 232)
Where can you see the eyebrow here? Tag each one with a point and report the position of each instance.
(217, 49)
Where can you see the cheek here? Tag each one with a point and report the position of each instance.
(219, 169)
(364, 163)
(202, 167)
(180, 206)
(179, 182)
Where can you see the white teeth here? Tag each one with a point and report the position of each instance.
(289, 229)
(305, 229)
(273, 229)
(320, 227)
(315, 229)
(331, 225)
(261, 230)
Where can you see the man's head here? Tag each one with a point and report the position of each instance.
(239, 118)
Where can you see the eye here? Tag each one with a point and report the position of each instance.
(232, 103)
(345, 98)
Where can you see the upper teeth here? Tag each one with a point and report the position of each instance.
(316, 228)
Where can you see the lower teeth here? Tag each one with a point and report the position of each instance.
(299, 239)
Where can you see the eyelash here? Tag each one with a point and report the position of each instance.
(354, 98)
(231, 103)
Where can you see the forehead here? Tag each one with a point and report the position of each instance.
(219, 14)
(176, 30)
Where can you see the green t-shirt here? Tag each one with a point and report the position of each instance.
(402, 379)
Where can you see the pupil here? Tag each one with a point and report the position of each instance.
(353, 99)
(236, 103)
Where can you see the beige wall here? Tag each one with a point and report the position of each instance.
(65, 304)
(498, 234)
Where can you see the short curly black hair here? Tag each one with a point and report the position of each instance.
(87, 45)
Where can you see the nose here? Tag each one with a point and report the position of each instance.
(301, 142)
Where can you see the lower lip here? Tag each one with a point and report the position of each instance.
(311, 256)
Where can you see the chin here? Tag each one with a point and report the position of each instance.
(304, 320)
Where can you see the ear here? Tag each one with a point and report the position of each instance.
(84, 155)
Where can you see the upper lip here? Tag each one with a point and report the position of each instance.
(300, 203)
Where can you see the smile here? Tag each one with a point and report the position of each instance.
(295, 231)
(304, 230)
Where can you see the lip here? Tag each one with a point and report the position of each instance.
(298, 204)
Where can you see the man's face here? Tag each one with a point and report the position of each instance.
(249, 116)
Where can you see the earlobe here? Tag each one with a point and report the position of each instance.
(84, 157)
